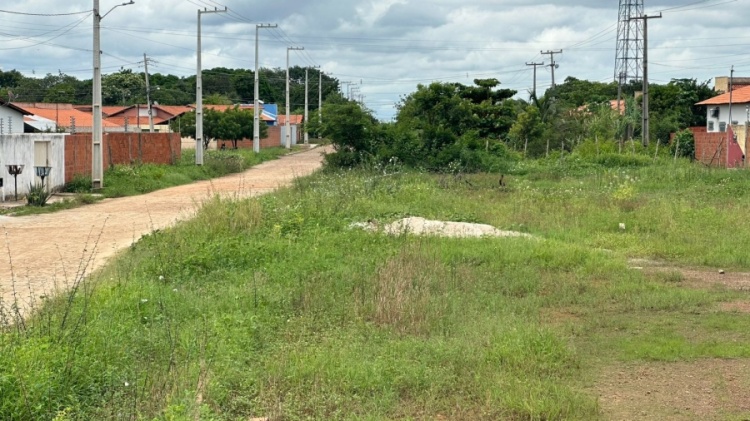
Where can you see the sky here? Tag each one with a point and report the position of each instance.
(385, 48)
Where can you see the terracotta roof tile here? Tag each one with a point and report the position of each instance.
(739, 96)
(62, 114)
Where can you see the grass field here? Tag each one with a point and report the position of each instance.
(274, 307)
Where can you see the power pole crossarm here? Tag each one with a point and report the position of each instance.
(552, 64)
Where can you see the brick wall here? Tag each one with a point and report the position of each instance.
(272, 140)
(120, 148)
(710, 148)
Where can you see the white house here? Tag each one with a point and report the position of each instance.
(11, 119)
(717, 109)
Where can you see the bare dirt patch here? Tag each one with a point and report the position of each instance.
(44, 253)
(697, 277)
(710, 389)
(736, 306)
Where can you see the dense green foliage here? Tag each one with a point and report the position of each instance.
(220, 85)
(275, 307)
(453, 127)
(232, 125)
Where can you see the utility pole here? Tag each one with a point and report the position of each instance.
(287, 128)
(731, 129)
(97, 152)
(307, 134)
(148, 98)
(645, 122)
(552, 64)
(533, 92)
(256, 98)
(320, 100)
(199, 93)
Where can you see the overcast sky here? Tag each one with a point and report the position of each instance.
(386, 47)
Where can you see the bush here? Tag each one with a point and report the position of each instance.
(622, 160)
(683, 144)
(38, 195)
(80, 184)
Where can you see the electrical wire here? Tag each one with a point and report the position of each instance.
(45, 14)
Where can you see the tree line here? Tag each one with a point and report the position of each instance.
(480, 127)
(125, 87)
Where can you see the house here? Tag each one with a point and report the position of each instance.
(135, 117)
(717, 109)
(721, 83)
(63, 117)
(11, 118)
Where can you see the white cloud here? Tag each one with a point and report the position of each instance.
(390, 45)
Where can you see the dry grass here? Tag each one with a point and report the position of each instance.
(406, 292)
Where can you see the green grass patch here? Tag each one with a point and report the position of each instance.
(274, 306)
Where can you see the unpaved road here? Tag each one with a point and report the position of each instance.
(43, 253)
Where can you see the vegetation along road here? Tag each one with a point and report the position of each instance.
(47, 252)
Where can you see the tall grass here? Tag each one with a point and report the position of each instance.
(274, 307)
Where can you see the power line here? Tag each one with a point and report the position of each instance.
(45, 14)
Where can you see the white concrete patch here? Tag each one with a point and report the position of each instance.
(425, 227)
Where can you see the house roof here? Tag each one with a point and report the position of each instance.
(62, 114)
(141, 121)
(174, 110)
(739, 96)
(293, 119)
(221, 108)
(13, 107)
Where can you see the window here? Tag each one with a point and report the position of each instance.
(715, 112)
(722, 126)
(710, 126)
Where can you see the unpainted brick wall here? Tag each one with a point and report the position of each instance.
(710, 148)
(272, 140)
(120, 148)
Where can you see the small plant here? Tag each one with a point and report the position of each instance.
(38, 195)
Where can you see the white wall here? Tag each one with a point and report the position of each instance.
(739, 114)
(19, 150)
(12, 120)
(293, 131)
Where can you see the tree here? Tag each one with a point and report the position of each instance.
(123, 88)
(529, 129)
(231, 125)
(351, 130)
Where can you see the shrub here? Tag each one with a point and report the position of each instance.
(38, 195)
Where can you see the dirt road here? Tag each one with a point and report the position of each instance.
(44, 252)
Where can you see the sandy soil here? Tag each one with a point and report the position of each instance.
(44, 253)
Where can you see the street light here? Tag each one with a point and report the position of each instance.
(97, 153)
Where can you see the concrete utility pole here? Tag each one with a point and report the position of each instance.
(533, 92)
(148, 98)
(320, 101)
(552, 64)
(645, 122)
(731, 129)
(307, 134)
(97, 152)
(256, 96)
(199, 93)
(287, 128)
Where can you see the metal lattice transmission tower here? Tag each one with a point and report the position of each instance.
(629, 60)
